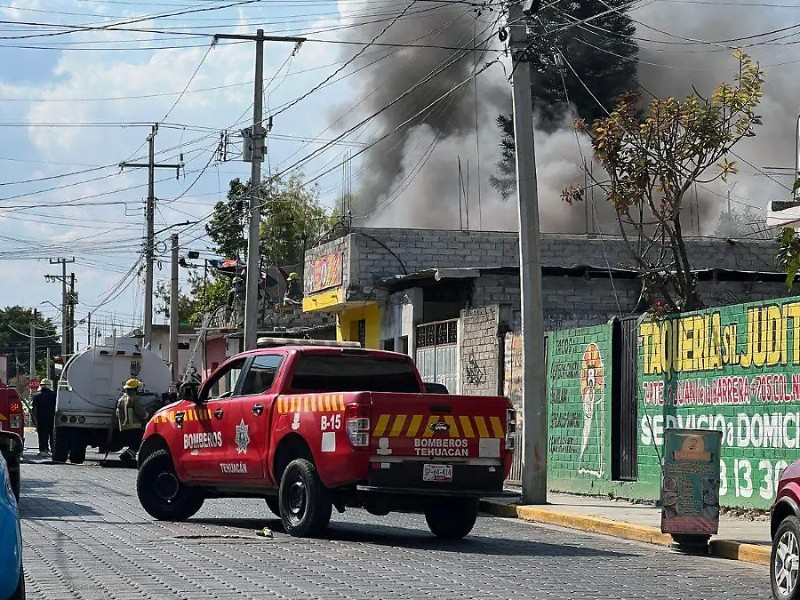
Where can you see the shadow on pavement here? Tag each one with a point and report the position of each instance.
(418, 539)
(32, 507)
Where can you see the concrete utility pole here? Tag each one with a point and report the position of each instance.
(174, 322)
(47, 365)
(64, 315)
(253, 241)
(73, 300)
(534, 393)
(32, 365)
(150, 211)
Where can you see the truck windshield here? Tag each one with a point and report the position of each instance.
(349, 373)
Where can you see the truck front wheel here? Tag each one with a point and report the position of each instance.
(161, 493)
(452, 519)
(62, 440)
(305, 503)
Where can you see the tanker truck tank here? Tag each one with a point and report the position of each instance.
(87, 394)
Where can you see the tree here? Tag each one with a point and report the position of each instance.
(15, 341)
(652, 163)
(602, 51)
(741, 223)
(292, 220)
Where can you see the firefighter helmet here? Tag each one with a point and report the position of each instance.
(132, 384)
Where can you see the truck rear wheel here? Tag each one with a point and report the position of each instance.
(77, 448)
(452, 519)
(305, 503)
(161, 493)
(61, 444)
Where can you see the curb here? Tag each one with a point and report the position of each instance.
(751, 553)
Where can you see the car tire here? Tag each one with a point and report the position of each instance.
(19, 593)
(274, 506)
(305, 503)
(15, 478)
(452, 519)
(161, 493)
(62, 439)
(784, 570)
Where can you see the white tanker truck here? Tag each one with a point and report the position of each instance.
(87, 394)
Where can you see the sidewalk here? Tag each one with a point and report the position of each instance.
(738, 538)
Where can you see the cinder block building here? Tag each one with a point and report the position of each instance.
(448, 298)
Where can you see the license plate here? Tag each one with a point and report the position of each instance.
(437, 473)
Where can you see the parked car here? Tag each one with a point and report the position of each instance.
(12, 580)
(785, 527)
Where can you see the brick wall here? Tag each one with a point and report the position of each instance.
(479, 351)
(420, 249)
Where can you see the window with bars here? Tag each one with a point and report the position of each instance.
(437, 334)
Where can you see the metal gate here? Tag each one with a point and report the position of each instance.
(437, 353)
(625, 401)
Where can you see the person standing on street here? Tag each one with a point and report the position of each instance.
(44, 413)
(131, 418)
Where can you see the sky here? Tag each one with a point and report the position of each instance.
(83, 81)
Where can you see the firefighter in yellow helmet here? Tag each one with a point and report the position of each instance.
(131, 419)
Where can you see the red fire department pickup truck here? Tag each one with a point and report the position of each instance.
(12, 419)
(310, 428)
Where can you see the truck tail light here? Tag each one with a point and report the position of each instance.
(511, 429)
(15, 415)
(358, 423)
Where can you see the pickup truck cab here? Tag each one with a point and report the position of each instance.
(310, 428)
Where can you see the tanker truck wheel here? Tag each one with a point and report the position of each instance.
(77, 448)
(61, 444)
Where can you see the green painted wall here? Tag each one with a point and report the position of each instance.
(735, 369)
(579, 408)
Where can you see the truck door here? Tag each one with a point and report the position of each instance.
(209, 428)
(252, 422)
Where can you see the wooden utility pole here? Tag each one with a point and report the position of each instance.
(257, 155)
(150, 210)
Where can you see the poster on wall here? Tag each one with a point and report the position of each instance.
(690, 485)
(326, 272)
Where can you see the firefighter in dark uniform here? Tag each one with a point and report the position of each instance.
(44, 413)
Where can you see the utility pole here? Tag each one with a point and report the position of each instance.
(47, 365)
(150, 211)
(534, 398)
(174, 322)
(253, 241)
(73, 300)
(89, 330)
(32, 365)
(63, 279)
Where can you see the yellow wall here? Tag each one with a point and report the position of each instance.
(347, 325)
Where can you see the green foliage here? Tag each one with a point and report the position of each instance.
(292, 219)
(789, 255)
(602, 51)
(14, 331)
(653, 160)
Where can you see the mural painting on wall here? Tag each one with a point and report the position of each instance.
(326, 272)
(577, 381)
(737, 370)
(592, 393)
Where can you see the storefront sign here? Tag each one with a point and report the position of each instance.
(690, 487)
(326, 272)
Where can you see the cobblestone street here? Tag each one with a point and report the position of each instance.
(86, 537)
